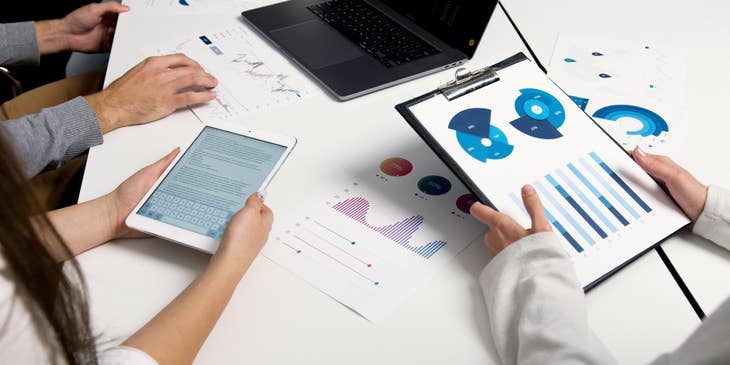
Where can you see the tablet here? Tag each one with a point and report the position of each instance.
(208, 182)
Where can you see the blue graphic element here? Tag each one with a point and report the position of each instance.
(434, 185)
(651, 123)
(544, 193)
(474, 121)
(598, 194)
(581, 102)
(608, 187)
(478, 137)
(586, 201)
(569, 60)
(205, 39)
(183, 3)
(568, 198)
(597, 54)
(620, 182)
(552, 220)
(604, 76)
(540, 114)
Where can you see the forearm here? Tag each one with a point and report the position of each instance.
(176, 334)
(82, 226)
(536, 306)
(52, 36)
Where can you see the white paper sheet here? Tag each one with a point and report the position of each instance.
(615, 79)
(193, 7)
(369, 239)
(523, 129)
(251, 75)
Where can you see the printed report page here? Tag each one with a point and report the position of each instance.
(524, 130)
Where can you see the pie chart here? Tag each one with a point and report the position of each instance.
(651, 123)
(478, 137)
(540, 114)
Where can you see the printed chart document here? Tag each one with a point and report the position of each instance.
(369, 240)
(522, 130)
(194, 7)
(251, 76)
(633, 89)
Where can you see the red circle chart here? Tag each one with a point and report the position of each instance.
(465, 202)
(396, 166)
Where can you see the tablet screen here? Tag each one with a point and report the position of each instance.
(212, 181)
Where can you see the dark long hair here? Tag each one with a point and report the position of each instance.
(54, 298)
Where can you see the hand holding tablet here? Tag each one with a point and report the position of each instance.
(208, 183)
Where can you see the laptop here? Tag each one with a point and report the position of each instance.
(355, 47)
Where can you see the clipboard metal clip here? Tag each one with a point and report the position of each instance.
(467, 81)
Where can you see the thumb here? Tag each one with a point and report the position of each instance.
(255, 202)
(661, 168)
(534, 208)
(161, 164)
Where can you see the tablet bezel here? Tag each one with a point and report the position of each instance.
(184, 236)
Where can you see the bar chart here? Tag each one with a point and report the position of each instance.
(400, 232)
(587, 201)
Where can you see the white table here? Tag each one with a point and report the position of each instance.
(703, 30)
(275, 317)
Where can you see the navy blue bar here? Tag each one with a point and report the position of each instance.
(576, 206)
(621, 182)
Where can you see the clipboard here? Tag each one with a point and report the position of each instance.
(464, 83)
(607, 210)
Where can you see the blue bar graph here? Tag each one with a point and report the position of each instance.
(584, 211)
(620, 182)
(575, 205)
(598, 194)
(610, 189)
(553, 221)
(544, 193)
(586, 201)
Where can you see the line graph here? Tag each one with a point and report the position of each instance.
(251, 76)
(256, 70)
(400, 232)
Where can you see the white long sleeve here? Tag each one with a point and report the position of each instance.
(714, 221)
(23, 336)
(537, 309)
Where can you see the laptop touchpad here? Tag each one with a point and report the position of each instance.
(316, 45)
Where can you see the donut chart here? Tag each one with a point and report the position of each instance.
(540, 114)
(478, 137)
(651, 123)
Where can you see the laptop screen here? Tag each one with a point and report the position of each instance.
(460, 23)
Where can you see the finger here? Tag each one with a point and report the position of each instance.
(267, 215)
(254, 202)
(661, 168)
(534, 208)
(193, 97)
(112, 7)
(484, 213)
(176, 60)
(192, 78)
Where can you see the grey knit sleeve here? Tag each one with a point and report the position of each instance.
(53, 136)
(18, 44)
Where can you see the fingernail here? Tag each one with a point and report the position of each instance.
(640, 152)
(528, 190)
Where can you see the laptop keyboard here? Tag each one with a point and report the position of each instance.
(387, 41)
